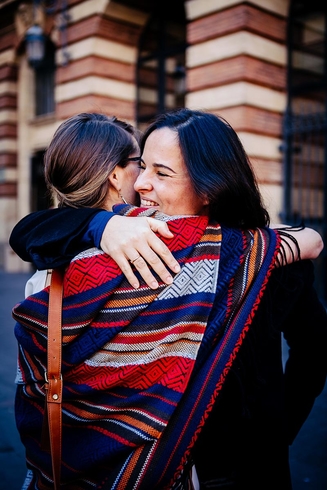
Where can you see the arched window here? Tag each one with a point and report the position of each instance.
(161, 62)
(305, 123)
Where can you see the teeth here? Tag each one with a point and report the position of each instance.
(148, 203)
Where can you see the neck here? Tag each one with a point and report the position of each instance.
(112, 198)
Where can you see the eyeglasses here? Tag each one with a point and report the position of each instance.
(135, 159)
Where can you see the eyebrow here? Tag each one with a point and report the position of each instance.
(161, 165)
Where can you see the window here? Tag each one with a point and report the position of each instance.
(161, 62)
(305, 125)
(45, 83)
(40, 198)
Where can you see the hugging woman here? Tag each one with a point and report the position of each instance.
(157, 380)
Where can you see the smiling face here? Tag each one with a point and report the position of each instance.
(164, 182)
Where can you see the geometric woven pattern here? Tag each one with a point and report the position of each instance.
(195, 277)
(140, 367)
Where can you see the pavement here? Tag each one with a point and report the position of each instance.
(308, 454)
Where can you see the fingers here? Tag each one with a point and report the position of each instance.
(134, 246)
(144, 257)
(160, 227)
(126, 269)
(160, 249)
(147, 256)
(140, 263)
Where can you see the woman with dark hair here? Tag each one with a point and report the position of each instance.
(218, 167)
(156, 381)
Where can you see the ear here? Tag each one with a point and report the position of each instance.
(115, 178)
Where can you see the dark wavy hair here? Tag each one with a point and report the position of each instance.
(218, 166)
(83, 152)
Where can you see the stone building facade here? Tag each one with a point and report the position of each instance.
(127, 57)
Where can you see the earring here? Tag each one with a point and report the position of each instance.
(123, 199)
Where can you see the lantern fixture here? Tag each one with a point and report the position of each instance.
(35, 45)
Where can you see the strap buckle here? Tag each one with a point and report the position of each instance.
(47, 379)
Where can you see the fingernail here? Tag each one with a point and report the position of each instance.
(154, 285)
(177, 268)
(135, 285)
(168, 280)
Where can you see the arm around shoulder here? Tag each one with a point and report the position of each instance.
(298, 243)
(50, 238)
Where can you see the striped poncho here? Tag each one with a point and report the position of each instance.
(141, 368)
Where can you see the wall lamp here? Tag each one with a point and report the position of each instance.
(35, 45)
(35, 38)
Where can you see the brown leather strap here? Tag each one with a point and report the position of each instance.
(53, 375)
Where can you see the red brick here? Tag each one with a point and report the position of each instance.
(96, 103)
(8, 102)
(8, 72)
(8, 189)
(8, 130)
(7, 40)
(267, 171)
(95, 66)
(8, 160)
(114, 30)
(235, 19)
(253, 120)
(240, 68)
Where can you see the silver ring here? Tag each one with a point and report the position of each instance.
(132, 261)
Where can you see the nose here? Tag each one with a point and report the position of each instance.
(142, 182)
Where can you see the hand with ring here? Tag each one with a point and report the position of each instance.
(132, 261)
(130, 240)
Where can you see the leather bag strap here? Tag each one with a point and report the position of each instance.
(53, 375)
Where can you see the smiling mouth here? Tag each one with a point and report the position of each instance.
(148, 204)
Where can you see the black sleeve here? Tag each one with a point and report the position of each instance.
(51, 238)
(305, 331)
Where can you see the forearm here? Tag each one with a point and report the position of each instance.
(298, 243)
(52, 237)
